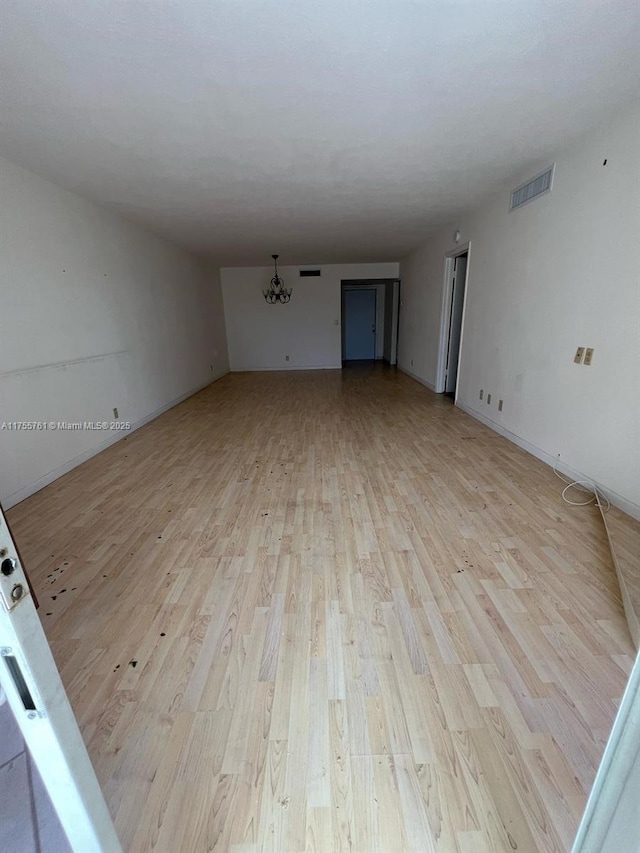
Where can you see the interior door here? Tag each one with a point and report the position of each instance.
(359, 318)
(39, 705)
(455, 323)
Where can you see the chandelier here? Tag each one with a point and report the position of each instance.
(276, 292)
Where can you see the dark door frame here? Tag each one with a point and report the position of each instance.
(445, 316)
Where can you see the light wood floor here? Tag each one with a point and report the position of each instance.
(624, 540)
(330, 612)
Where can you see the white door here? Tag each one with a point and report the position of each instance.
(36, 696)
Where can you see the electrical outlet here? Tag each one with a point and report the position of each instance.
(286, 358)
(481, 394)
(578, 356)
(500, 405)
(411, 362)
(115, 414)
(588, 356)
(488, 399)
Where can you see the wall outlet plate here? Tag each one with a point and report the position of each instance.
(115, 412)
(488, 399)
(578, 356)
(500, 404)
(481, 394)
(588, 356)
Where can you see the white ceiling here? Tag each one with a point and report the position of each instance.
(326, 131)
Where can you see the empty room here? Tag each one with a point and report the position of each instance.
(319, 426)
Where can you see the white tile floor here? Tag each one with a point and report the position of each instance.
(28, 823)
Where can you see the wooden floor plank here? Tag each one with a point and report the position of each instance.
(328, 611)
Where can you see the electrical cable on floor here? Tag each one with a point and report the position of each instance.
(597, 497)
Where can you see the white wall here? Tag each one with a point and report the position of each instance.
(307, 329)
(388, 325)
(421, 282)
(94, 313)
(561, 272)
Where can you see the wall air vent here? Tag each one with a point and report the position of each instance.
(532, 189)
(306, 273)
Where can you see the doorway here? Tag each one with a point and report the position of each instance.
(359, 308)
(456, 268)
(370, 309)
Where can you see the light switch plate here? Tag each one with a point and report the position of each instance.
(579, 355)
(588, 355)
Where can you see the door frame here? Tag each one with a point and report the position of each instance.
(358, 285)
(611, 809)
(39, 703)
(395, 326)
(373, 284)
(445, 315)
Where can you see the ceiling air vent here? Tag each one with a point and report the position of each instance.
(532, 189)
(305, 273)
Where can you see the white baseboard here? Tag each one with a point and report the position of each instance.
(70, 464)
(417, 378)
(283, 368)
(621, 502)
